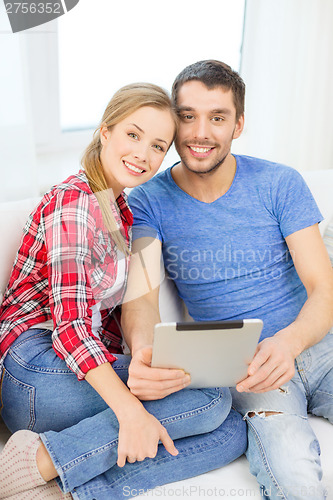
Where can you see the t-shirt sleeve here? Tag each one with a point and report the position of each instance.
(144, 220)
(293, 203)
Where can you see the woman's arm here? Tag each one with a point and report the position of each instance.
(70, 222)
(139, 431)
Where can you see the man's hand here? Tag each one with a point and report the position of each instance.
(272, 366)
(148, 383)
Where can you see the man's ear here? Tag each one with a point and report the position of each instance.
(239, 127)
(104, 133)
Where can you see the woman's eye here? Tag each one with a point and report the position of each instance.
(158, 147)
(133, 135)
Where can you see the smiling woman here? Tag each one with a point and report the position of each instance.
(135, 145)
(119, 139)
(59, 328)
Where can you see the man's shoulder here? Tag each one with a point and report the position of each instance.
(261, 165)
(261, 170)
(154, 187)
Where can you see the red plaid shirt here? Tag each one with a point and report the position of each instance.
(66, 263)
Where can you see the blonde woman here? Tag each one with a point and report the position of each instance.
(81, 432)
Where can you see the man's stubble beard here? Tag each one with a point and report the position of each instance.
(210, 170)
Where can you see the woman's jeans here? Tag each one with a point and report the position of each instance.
(283, 451)
(80, 431)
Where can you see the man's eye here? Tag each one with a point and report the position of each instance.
(217, 119)
(133, 135)
(187, 117)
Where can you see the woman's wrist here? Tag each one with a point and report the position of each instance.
(114, 392)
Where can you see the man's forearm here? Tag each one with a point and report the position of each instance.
(313, 322)
(140, 310)
(137, 320)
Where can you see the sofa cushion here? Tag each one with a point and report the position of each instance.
(320, 183)
(328, 239)
(13, 216)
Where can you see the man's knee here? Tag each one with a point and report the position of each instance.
(262, 413)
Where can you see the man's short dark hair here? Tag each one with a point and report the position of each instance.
(213, 74)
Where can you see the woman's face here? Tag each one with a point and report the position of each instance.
(133, 150)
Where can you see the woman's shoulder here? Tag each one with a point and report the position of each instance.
(77, 182)
(74, 188)
(72, 195)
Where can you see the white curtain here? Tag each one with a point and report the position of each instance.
(288, 70)
(17, 153)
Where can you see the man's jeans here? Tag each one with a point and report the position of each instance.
(283, 451)
(80, 431)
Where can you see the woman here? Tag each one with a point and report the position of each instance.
(60, 380)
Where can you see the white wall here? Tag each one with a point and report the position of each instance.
(17, 153)
(287, 66)
(288, 70)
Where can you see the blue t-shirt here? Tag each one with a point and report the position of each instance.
(229, 258)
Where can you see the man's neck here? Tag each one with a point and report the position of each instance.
(206, 187)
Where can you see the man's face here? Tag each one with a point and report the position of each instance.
(207, 126)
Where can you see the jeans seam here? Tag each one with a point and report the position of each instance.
(174, 418)
(301, 373)
(1, 381)
(319, 391)
(197, 411)
(56, 463)
(112, 444)
(264, 457)
(36, 369)
(96, 451)
(162, 460)
(31, 392)
(41, 333)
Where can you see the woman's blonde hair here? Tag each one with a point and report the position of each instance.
(125, 101)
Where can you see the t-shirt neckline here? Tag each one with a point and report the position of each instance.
(223, 196)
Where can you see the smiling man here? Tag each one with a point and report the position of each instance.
(240, 238)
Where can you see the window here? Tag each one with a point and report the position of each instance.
(105, 44)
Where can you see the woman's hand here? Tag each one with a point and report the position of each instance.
(139, 431)
(139, 436)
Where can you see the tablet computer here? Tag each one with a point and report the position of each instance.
(214, 353)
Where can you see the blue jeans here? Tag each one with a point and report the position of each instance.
(80, 431)
(283, 451)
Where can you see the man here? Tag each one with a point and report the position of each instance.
(240, 238)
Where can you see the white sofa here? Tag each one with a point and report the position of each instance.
(234, 480)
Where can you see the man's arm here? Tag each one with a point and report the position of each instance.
(273, 363)
(140, 312)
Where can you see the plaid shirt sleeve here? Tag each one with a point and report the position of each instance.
(70, 225)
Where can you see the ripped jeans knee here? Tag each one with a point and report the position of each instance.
(262, 413)
(283, 451)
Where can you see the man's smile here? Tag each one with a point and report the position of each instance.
(200, 151)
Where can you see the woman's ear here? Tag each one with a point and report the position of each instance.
(104, 133)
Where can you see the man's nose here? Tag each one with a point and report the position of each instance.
(201, 129)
